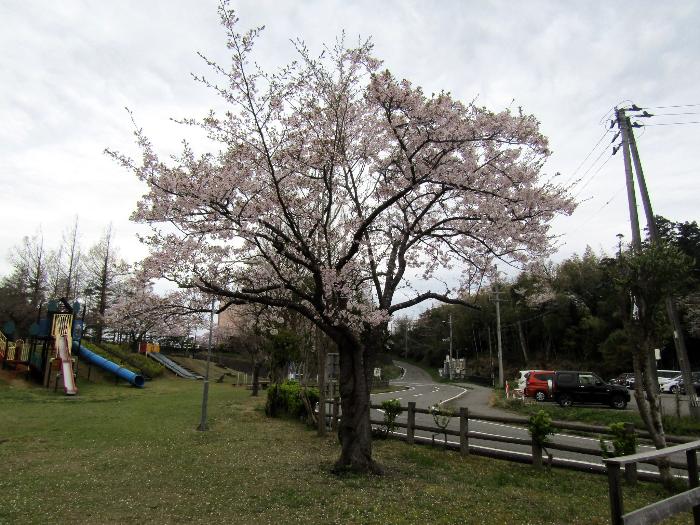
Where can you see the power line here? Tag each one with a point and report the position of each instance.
(672, 106)
(595, 213)
(586, 158)
(592, 176)
(671, 123)
(675, 114)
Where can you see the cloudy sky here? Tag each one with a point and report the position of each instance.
(68, 69)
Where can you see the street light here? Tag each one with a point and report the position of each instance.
(205, 394)
(450, 367)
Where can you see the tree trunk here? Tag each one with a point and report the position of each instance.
(256, 378)
(646, 388)
(523, 342)
(355, 431)
(682, 355)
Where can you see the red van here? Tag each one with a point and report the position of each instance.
(537, 385)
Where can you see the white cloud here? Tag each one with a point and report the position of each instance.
(70, 67)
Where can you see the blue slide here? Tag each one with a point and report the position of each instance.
(105, 364)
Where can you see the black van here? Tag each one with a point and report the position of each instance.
(586, 387)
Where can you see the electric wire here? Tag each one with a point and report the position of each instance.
(596, 212)
(671, 123)
(672, 106)
(676, 114)
(583, 179)
(573, 174)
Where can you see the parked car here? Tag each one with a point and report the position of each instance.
(696, 383)
(538, 384)
(672, 385)
(623, 379)
(522, 379)
(571, 386)
(666, 375)
(676, 384)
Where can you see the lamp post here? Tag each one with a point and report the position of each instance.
(619, 244)
(205, 395)
(451, 365)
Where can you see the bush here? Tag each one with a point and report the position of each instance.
(623, 443)
(540, 427)
(392, 408)
(286, 399)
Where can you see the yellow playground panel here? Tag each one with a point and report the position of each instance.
(149, 347)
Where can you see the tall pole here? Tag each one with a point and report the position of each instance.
(501, 382)
(451, 363)
(205, 395)
(490, 356)
(405, 341)
(631, 198)
(671, 309)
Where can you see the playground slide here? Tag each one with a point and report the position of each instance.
(106, 364)
(66, 366)
(172, 365)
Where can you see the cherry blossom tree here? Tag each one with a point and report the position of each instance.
(138, 311)
(333, 183)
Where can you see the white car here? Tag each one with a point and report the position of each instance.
(522, 379)
(665, 376)
(672, 385)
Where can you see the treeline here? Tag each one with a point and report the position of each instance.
(566, 315)
(41, 272)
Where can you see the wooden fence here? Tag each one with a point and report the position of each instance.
(536, 458)
(655, 512)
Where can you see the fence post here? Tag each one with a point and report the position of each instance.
(334, 421)
(536, 455)
(615, 493)
(411, 422)
(463, 430)
(630, 468)
(692, 459)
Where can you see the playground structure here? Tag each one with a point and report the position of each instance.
(172, 365)
(54, 346)
(145, 348)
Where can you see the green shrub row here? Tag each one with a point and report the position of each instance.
(286, 399)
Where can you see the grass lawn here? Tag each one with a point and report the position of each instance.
(117, 454)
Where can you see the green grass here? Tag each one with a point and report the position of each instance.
(683, 426)
(142, 364)
(117, 454)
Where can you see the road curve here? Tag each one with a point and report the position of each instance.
(417, 385)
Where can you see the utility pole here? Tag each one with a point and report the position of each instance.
(631, 198)
(671, 309)
(205, 395)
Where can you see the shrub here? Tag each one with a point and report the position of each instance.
(392, 408)
(540, 427)
(286, 399)
(623, 443)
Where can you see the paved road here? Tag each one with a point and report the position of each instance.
(419, 387)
